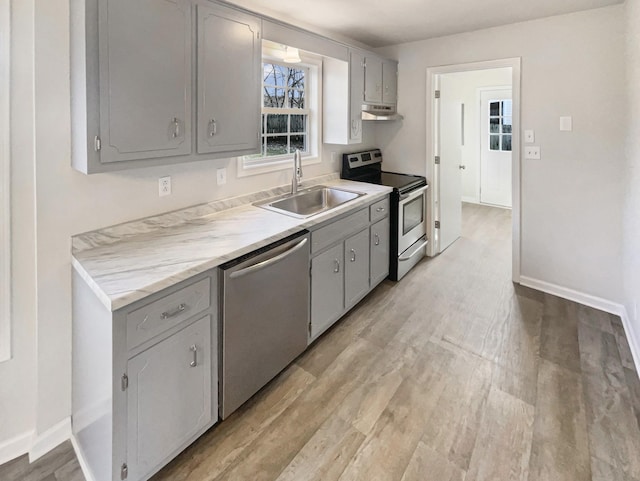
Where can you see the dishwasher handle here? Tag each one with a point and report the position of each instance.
(266, 263)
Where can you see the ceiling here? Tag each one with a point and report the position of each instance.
(379, 23)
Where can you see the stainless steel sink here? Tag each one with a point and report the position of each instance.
(310, 202)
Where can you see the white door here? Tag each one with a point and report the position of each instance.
(450, 151)
(495, 147)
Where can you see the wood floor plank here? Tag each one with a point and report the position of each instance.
(603, 471)
(327, 453)
(560, 448)
(426, 464)
(559, 337)
(633, 383)
(614, 437)
(503, 445)
(221, 446)
(623, 346)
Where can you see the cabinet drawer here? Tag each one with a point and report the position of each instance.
(338, 230)
(160, 315)
(379, 210)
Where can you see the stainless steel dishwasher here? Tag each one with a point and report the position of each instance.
(265, 317)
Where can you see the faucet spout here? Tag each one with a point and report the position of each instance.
(296, 180)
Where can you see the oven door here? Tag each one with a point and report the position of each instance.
(412, 224)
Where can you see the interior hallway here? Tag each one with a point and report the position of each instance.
(452, 374)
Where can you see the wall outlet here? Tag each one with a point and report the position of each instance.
(164, 186)
(532, 152)
(529, 136)
(221, 176)
(566, 124)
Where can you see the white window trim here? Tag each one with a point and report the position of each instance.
(284, 162)
(5, 182)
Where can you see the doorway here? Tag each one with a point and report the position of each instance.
(471, 107)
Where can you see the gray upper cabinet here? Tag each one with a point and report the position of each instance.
(229, 65)
(145, 76)
(356, 274)
(389, 82)
(373, 80)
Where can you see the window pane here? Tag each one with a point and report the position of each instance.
(277, 124)
(298, 123)
(494, 126)
(494, 142)
(296, 78)
(273, 97)
(506, 125)
(277, 145)
(506, 143)
(494, 108)
(264, 117)
(296, 99)
(507, 108)
(298, 142)
(275, 74)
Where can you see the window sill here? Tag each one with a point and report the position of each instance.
(284, 164)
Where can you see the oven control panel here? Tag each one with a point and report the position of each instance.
(359, 159)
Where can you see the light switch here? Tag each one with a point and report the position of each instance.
(566, 124)
(529, 136)
(221, 176)
(532, 152)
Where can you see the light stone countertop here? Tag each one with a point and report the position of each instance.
(127, 265)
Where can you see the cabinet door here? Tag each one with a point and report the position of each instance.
(356, 274)
(145, 79)
(229, 80)
(379, 251)
(327, 289)
(356, 77)
(373, 80)
(390, 82)
(169, 397)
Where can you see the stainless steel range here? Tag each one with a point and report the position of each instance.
(408, 207)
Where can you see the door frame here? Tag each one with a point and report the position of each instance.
(432, 149)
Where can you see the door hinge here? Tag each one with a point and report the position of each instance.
(437, 224)
(437, 94)
(124, 471)
(437, 159)
(97, 144)
(125, 382)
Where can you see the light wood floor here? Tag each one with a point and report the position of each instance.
(453, 374)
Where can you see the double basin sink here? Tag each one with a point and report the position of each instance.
(310, 201)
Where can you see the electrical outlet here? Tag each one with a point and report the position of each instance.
(164, 186)
(532, 152)
(221, 176)
(529, 136)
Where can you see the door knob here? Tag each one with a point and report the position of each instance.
(462, 167)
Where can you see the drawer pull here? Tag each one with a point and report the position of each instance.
(380, 209)
(377, 239)
(173, 312)
(337, 268)
(353, 255)
(194, 349)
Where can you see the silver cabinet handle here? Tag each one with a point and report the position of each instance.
(268, 262)
(173, 312)
(353, 255)
(194, 349)
(176, 127)
(377, 237)
(380, 209)
(337, 268)
(213, 127)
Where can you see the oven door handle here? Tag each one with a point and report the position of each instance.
(413, 193)
(414, 251)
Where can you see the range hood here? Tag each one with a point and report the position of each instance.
(380, 112)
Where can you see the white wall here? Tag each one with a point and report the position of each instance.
(67, 203)
(631, 238)
(462, 88)
(572, 197)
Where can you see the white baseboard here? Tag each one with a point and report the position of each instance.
(16, 446)
(50, 439)
(470, 200)
(82, 460)
(595, 302)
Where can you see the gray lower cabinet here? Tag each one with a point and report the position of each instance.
(145, 377)
(356, 269)
(350, 256)
(327, 289)
(379, 251)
